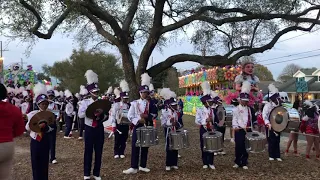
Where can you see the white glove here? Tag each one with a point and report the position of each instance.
(305, 118)
(73, 113)
(269, 126)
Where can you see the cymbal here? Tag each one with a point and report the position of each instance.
(279, 118)
(42, 116)
(104, 105)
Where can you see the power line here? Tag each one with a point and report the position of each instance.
(289, 55)
(298, 36)
(291, 60)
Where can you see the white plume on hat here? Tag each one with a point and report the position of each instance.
(49, 87)
(214, 94)
(56, 93)
(308, 103)
(246, 87)
(77, 95)
(91, 76)
(61, 93)
(83, 90)
(124, 86)
(109, 91)
(166, 93)
(67, 93)
(151, 87)
(116, 91)
(145, 79)
(38, 89)
(25, 93)
(272, 89)
(173, 94)
(205, 87)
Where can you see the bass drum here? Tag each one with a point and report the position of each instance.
(221, 113)
(284, 119)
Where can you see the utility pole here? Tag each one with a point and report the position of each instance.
(22, 63)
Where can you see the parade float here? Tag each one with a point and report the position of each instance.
(221, 80)
(16, 76)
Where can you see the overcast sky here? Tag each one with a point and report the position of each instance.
(59, 48)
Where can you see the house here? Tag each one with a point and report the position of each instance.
(311, 76)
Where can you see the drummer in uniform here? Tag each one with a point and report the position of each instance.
(53, 134)
(273, 137)
(120, 131)
(94, 130)
(40, 142)
(141, 113)
(204, 118)
(242, 121)
(69, 114)
(170, 121)
(218, 123)
(83, 95)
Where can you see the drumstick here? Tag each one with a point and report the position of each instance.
(305, 134)
(119, 131)
(110, 135)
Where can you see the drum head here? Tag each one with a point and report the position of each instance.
(42, 116)
(255, 135)
(221, 113)
(100, 105)
(279, 118)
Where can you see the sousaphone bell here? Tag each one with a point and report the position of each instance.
(41, 117)
(101, 106)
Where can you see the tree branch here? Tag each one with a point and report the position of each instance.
(35, 29)
(104, 15)
(204, 60)
(100, 28)
(131, 12)
(152, 39)
(248, 16)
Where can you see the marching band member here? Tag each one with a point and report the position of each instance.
(242, 122)
(69, 114)
(235, 103)
(26, 106)
(309, 126)
(141, 113)
(273, 137)
(83, 95)
(120, 130)
(40, 143)
(62, 107)
(219, 124)
(169, 120)
(204, 118)
(94, 130)
(18, 96)
(53, 134)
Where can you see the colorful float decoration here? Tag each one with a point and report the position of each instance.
(221, 80)
(16, 76)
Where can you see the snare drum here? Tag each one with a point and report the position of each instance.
(147, 136)
(255, 142)
(212, 142)
(178, 140)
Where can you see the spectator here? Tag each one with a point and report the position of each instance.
(293, 137)
(12, 125)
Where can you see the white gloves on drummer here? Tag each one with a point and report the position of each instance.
(269, 126)
(305, 118)
(74, 113)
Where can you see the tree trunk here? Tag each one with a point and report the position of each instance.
(129, 72)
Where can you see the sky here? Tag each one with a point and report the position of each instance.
(60, 47)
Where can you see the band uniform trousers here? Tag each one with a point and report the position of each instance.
(221, 129)
(120, 140)
(40, 157)
(82, 125)
(52, 141)
(240, 148)
(207, 157)
(136, 151)
(68, 121)
(94, 140)
(171, 155)
(273, 143)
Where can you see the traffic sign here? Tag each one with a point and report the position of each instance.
(302, 86)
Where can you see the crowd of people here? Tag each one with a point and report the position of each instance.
(18, 106)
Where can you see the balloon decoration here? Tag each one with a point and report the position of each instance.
(213, 75)
(15, 75)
